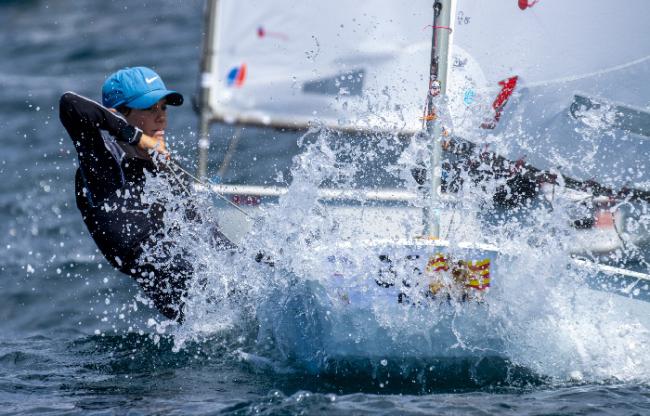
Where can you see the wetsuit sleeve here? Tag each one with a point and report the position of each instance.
(79, 114)
(84, 120)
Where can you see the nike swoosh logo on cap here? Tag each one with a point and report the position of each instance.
(150, 80)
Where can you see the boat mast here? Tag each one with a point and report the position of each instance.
(443, 11)
(207, 65)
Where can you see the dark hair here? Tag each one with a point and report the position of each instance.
(124, 110)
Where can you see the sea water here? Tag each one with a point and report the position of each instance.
(79, 337)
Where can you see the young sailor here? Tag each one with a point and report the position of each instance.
(111, 176)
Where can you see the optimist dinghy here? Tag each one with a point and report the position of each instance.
(366, 67)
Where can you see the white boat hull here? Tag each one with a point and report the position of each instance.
(380, 314)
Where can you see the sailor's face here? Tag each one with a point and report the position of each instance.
(152, 121)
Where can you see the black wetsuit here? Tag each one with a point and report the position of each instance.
(108, 186)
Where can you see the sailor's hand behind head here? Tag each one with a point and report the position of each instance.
(154, 145)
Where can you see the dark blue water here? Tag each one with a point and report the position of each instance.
(71, 340)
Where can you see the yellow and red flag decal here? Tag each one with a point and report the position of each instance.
(475, 273)
(479, 272)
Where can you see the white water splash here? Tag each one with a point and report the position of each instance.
(540, 312)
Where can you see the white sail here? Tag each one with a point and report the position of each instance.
(581, 86)
(364, 65)
(347, 64)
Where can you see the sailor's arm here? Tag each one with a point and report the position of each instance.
(83, 118)
(80, 115)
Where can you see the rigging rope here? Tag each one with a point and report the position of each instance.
(207, 185)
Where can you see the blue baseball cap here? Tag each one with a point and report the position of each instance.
(138, 88)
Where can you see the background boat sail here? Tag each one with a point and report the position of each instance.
(552, 63)
(364, 67)
(564, 88)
